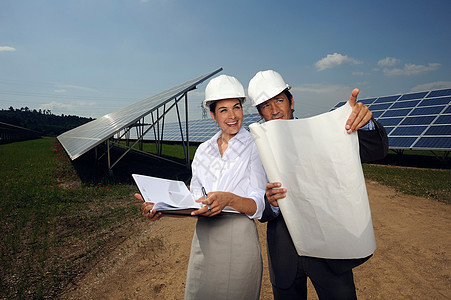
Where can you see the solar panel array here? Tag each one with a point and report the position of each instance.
(199, 130)
(81, 139)
(416, 120)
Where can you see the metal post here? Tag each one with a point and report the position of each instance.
(110, 171)
(162, 130)
(187, 134)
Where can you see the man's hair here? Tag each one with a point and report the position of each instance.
(213, 105)
(287, 94)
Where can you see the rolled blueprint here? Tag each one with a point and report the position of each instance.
(326, 208)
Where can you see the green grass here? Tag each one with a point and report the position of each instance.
(420, 152)
(429, 183)
(45, 211)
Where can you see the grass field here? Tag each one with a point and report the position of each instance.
(54, 227)
(428, 183)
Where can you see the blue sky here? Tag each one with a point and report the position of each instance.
(90, 58)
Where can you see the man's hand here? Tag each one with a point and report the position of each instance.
(360, 114)
(147, 209)
(274, 192)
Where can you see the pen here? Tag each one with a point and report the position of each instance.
(205, 196)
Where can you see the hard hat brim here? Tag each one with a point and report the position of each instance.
(265, 97)
(206, 103)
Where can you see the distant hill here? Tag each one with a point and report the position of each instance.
(42, 121)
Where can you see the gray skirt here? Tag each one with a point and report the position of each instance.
(225, 260)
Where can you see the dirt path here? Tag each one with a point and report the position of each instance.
(411, 261)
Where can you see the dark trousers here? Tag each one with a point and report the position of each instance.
(328, 284)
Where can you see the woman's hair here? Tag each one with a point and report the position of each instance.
(213, 105)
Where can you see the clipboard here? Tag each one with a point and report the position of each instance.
(170, 197)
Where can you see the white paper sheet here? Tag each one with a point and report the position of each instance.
(326, 208)
(169, 195)
(166, 194)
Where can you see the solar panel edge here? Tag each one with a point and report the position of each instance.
(177, 90)
(426, 108)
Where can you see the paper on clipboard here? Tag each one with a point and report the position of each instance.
(326, 208)
(168, 195)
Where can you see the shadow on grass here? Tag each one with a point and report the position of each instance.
(92, 171)
(416, 161)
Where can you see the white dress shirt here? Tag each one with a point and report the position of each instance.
(239, 170)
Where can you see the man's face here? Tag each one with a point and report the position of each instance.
(278, 107)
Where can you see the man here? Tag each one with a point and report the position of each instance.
(332, 278)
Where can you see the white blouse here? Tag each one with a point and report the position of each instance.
(239, 170)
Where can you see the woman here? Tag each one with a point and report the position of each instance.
(225, 260)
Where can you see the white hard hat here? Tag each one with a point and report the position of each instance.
(265, 85)
(223, 87)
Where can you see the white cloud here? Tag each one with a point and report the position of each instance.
(334, 60)
(412, 69)
(74, 87)
(7, 49)
(388, 61)
(360, 73)
(321, 89)
(85, 103)
(56, 106)
(432, 86)
(77, 107)
(197, 94)
(60, 91)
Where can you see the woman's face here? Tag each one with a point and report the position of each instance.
(229, 116)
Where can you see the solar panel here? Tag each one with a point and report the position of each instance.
(439, 93)
(364, 101)
(439, 130)
(396, 113)
(382, 106)
(81, 139)
(405, 104)
(386, 99)
(389, 129)
(401, 142)
(409, 130)
(420, 120)
(377, 113)
(436, 143)
(199, 130)
(415, 120)
(435, 101)
(390, 121)
(444, 119)
(413, 96)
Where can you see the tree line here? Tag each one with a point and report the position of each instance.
(42, 121)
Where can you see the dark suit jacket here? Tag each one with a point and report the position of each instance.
(282, 254)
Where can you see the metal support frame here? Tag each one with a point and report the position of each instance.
(443, 158)
(141, 132)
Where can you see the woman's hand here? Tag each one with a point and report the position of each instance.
(214, 204)
(147, 209)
